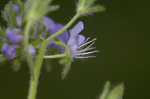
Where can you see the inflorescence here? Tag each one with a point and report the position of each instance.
(79, 46)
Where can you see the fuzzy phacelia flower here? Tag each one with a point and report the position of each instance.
(32, 50)
(12, 36)
(16, 8)
(79, 46)
(8, 50)
(52, 27)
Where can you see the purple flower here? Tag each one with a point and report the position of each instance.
(79, 46)
(52, 28)
(49, 24)
(9, 51)
(12, 36)
(16, 8)
(4, 48)
(32, 50)
(19, 20)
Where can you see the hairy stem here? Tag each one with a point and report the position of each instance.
(63, 45)
(55, 56)
(26, 46)
(39, 59)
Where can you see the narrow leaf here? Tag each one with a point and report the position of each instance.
(66, 70)
(105, 90)
(16, 65)
(117, 92)
(95, 9)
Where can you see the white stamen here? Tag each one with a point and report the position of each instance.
(87, 39)
(89, 45)
(79, 57)
(84, 44)
(86, 53)
(86, 49)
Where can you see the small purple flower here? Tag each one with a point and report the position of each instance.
(16, 8)
(49, 24)
(52, 28)
(32, 50)
(9, 51)
(80, 47)
(19, 20)
(12, 36)
(4, 48)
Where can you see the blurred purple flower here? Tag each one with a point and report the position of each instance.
(49, 24)
(32, 50)
(16, 8)
(8, 50)
(19, 20)
(4, 48)
(12, 36)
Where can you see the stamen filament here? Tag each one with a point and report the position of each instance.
(87, 43)
(86, 53)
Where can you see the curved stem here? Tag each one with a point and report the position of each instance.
(39, 59)
(62, 44)
(63, 29)
(56, 56)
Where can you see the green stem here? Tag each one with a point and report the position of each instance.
(56, 56)
(26, 46)
(39, 59)
(63, 29)
(67, 51)
(33, 88)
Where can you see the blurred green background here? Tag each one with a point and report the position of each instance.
(123, 39)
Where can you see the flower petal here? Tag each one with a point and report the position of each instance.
(49, 23)
(77, 29)
(10, 52)
(4, 48)
(32, 50)
(81, 39)
(13, 37)
(64, 36)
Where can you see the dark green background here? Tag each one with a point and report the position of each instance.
(123, 39)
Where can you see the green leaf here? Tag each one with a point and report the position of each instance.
(2, 32)
(16, 65)
(52, 8)
(96, 9)
(66, 70)
(6, 14)
(86, 7)
(2, 58)
(67, 66)
(81, 3)
(105, 90)
(90, 3)
(36, 9)
(117, 92)
(36, 42)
